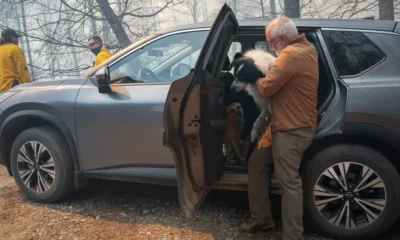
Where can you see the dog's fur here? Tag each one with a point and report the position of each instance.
(250, 109)
(234, 116)
(254, 65)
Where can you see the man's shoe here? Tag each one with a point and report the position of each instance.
(253, 224)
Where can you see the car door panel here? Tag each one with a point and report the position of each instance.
(333, 117)
(122, 128)
(194, 117)
(379, 87)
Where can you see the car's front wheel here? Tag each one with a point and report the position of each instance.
(351, 192)
(41, 164)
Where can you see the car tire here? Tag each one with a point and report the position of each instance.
(46, 177)
(356, 162)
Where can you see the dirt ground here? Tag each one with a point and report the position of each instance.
(114, 210)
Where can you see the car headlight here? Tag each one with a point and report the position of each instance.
(6, 95)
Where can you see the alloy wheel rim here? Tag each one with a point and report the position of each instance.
(350, 195)
(36, 167)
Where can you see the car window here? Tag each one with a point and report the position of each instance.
(235, 48)
(352, 52)
(153, 62)
(183, 67)
(263, 45)
(216, 55)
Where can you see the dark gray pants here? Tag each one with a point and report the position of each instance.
(285, 153)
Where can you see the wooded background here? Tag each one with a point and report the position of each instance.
(56, 31)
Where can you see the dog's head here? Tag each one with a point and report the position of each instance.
(245, 72)
(253, 65)
(235, 109)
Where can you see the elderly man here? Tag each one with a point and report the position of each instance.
(292, 84)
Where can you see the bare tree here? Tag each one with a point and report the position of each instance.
(194, 9)
(56, 31)
(28, 46)
(115, 24)
(273, 8)
(386, 9)
(90, 12)
(292, 8)
(247, 9)
(343, 9)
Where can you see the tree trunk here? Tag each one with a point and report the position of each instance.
(153, 19)
(262, 8)
(205, 11)
(28, 46)
(105, 31)
(234, 6)
(292, 8)
(22, 44)
(273, 8)
(386, 10)
(74, 57)
(194, 9)
(114, 22)
(92, 20)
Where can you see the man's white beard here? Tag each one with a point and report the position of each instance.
(279, 48)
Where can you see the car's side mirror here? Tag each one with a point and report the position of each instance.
(102, 77)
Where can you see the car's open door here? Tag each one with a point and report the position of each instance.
(194, 120)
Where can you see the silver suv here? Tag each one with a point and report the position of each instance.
(164, 90)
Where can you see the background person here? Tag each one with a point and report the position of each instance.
(13, 67)
(95, 44)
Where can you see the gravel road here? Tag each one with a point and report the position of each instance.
(115, 210)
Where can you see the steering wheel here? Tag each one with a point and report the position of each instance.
(148, 75)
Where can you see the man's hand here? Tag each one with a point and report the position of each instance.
(258, 128)
(278, 75)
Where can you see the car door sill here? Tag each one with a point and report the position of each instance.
(167, 176)
(152, 175)
(239, 182)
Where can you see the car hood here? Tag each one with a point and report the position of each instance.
(49, 84)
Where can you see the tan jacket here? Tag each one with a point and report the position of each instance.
(292, 84)
(12, 66)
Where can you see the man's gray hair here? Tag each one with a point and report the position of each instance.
(284, 26)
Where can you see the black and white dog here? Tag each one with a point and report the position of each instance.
(253, 65)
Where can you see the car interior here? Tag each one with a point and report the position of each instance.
(162, 61)
(242, 43)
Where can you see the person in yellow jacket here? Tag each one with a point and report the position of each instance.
(96, 46)
(13, 68)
